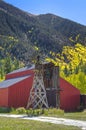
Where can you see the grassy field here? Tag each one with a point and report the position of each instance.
(69, 115)
(74, 115)
(20, 124)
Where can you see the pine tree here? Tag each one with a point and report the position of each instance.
(66, 71)
(7, 66)
(1, 72)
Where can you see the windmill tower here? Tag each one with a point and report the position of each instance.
(38, 98)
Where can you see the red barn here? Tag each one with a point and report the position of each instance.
(15, 90)
(69, 96)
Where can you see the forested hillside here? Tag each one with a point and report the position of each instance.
(49, 32)
(61, 40)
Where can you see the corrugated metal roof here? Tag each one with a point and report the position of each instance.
(23, 69)
(9, 82)
(29, 67)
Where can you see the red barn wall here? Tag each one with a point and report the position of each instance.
(19, 93)
(69, 96)
(4, 97)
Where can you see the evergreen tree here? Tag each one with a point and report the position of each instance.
(83, 68)
(76, 70)
(7, 66)
(66, 71)
(70, 69)
(1, 72)
(16, 64)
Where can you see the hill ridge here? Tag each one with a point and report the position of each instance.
(47, 31)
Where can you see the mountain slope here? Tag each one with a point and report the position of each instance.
(22, 30)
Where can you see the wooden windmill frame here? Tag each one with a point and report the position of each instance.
(38, 98)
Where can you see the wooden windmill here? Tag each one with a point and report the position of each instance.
(38, 98)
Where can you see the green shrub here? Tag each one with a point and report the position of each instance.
(59, 112)
(21, 110)
(53, 111)
(46, 112)
(4, 110)
(38, 111)
(34, 112)
(13, 110)
(30, 112)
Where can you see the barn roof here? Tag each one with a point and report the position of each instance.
(23, 69)
(29, 67)
(9, 82)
